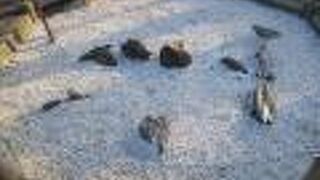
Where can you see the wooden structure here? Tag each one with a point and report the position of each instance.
(6, 53)
(15, 19)
(18, 19)
(16, 26)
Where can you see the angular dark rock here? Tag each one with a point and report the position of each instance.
(51, 104)
(266, 33)
(75, 95)
(101, 55)
(135, 50)
(174, 57)
(234, 65)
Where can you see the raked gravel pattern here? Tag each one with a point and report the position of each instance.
(212, 137)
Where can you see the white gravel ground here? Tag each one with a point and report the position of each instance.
(211, 136)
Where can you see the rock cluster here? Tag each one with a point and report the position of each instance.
(133, 49)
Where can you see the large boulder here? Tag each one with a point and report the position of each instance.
(102, 55)
(135, 50)
(174, 56)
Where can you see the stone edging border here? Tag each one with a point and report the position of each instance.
(308, 9)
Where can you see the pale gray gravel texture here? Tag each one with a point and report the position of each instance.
(211, 136)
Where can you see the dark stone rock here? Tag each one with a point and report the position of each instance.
(171, 57)
(75, 95)
(154, 131)
(134, 49)
(234, 65)
(101, 55)
(51, 104)
(266, 33)
(269, 77)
